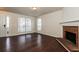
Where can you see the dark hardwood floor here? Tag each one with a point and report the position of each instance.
(30, 43)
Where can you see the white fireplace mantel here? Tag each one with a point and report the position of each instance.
(69, 21)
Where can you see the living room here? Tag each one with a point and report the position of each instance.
(60, 23)
(39, 29)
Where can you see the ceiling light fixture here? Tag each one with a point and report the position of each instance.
(34, 8)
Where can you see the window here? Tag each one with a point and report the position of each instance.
(28, 24)
(21, 24)
(39, 24)
(7, 22)
(24, 24)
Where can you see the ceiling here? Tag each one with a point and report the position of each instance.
(30, 12)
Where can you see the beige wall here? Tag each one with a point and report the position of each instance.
(14, 23)
(50, 23)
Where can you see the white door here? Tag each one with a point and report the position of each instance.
(3, 26)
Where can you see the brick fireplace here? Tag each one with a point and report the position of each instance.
(72, 34)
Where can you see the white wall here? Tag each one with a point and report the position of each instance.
(71, 14)
(14, 22)
(50, 23)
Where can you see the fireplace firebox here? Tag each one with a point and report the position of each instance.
(71, 37)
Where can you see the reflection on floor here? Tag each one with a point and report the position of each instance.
(30, 43)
